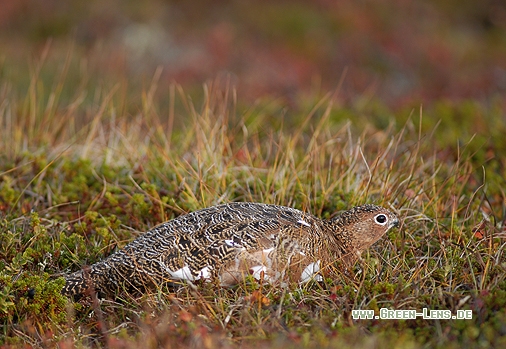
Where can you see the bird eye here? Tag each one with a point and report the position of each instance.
(381, 219)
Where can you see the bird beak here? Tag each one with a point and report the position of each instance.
(395, 223)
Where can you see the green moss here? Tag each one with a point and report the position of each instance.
(384, 287)
(8, 194)
(139, 205)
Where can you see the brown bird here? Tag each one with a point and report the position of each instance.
(230, 241)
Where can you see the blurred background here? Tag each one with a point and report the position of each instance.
(401, 52)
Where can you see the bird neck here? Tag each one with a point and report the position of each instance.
(340, 237)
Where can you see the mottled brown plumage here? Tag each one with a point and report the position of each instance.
(227, 242)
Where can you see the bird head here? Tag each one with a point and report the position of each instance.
(366, 224)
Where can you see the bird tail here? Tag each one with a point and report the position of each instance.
(78, 283)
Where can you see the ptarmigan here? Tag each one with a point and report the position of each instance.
(229, 241)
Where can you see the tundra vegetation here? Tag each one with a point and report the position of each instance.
(98, 146)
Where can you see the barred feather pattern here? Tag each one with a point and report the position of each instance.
(230, 241)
